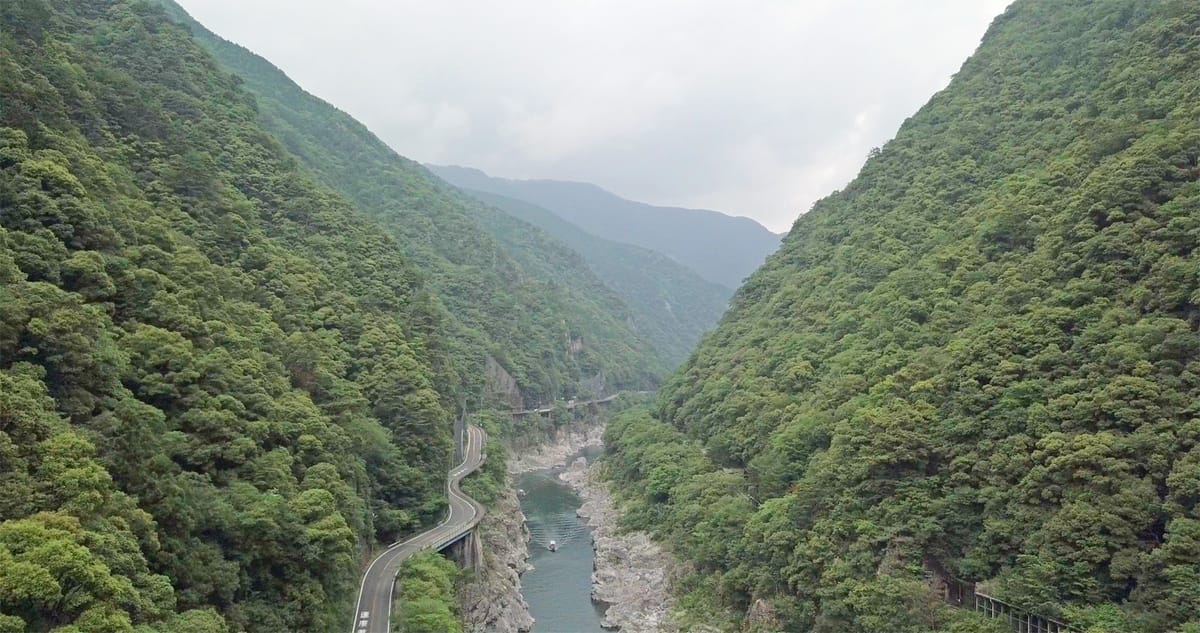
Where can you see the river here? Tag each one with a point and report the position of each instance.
(558, 588)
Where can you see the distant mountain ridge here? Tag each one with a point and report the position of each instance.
(721, 248)
(671, 305)
(519, 296)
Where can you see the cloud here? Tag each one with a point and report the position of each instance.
(754, 108)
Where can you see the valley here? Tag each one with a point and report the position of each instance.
(261, 372)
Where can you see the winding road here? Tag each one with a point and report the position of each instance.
(374, 609)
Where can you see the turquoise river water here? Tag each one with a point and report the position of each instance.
(558, 588)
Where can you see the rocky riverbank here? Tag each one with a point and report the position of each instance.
(561, 446)
(632, 573)
(493, 601)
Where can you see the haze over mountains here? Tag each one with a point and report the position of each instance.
(720, 248)
(671, 305)
(664, 303)
(523, 291)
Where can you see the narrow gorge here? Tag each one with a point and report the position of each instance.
(264, 371)
(599, 579)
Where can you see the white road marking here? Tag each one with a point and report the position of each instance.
(428, 539)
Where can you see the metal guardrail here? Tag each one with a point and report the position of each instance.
(963, 594)
(1021, 620)
(460, 434)
(438, 546)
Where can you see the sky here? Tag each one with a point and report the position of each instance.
(751, 107)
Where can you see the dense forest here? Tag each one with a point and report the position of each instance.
(222, 379)
(978, 360)
(517, 294)
(218, 378)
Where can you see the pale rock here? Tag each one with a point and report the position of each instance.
(631, 576)
(492, 602)
(563, 444)
(632, 573)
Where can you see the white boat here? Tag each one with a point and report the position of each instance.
(553, 546)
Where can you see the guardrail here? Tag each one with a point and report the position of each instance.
(373, 613)
(962, 594)
(471, 524)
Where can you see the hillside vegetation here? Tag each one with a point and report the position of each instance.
(217, 380)
(670, 305)
(981, 356)
(720, 248)
(221, 382)
(516, 293)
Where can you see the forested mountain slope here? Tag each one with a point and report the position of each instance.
(720, 248)
(670, 304)
(981, 356)
(521, 300)
(218, 381)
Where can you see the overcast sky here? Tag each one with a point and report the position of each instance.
(750, 107)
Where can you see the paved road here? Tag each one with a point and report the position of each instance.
(374, 608)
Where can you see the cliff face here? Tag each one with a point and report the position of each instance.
(493, 602)
(559, 445)
(502, 385)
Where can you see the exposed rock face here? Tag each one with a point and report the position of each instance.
(596, 385)
(500, 382)
(761, 617)
(632, 573)
(493, 601)
(565, 443)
